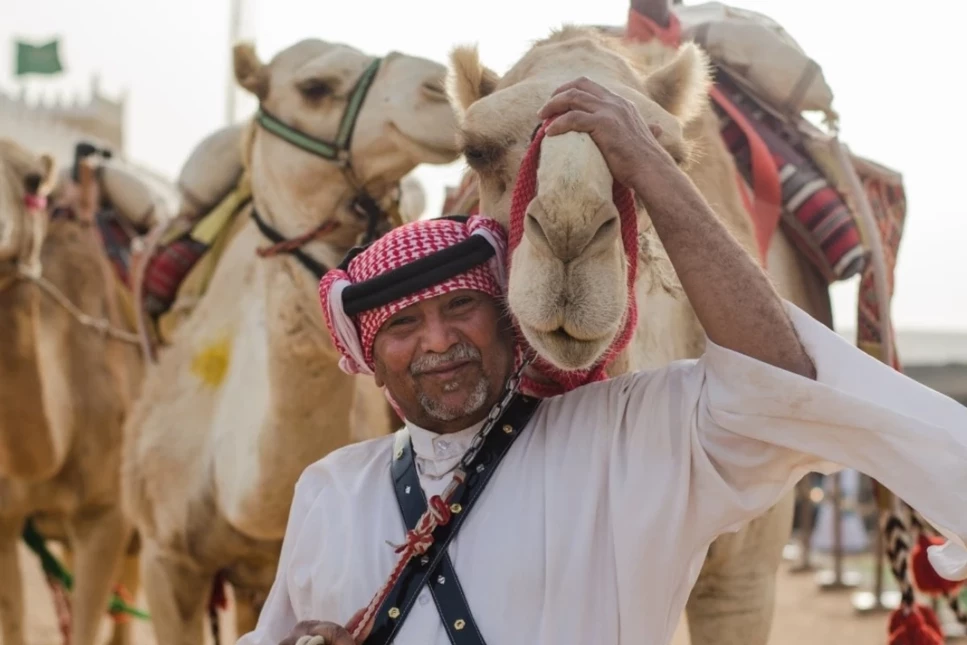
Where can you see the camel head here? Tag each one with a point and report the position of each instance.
(567, 283)
(336, 131)
(22, 175)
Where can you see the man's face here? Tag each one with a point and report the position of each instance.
(445, 360)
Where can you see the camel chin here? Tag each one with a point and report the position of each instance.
(441, 151)
(564, 351)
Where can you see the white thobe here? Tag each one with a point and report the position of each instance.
(595, 526)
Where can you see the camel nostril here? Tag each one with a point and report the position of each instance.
(606, 232)
(534, 230)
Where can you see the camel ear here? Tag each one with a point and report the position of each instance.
(680, 86)
(468, 80)
(249, 70)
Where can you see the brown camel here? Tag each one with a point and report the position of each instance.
(66, 390)
(733, 598)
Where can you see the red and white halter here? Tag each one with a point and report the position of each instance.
(524, 192)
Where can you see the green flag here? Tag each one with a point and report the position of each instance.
(38, 59)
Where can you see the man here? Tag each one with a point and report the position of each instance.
(583, 518)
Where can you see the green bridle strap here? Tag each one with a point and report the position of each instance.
(335, 151)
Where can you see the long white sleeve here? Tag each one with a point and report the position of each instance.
(278, 616)
(757, 429)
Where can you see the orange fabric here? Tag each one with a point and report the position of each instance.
(766, 205)
(642, 28)
(765, 177)
(745, 192)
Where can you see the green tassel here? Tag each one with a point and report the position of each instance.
(54, 569)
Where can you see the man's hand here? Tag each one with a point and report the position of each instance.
(628, 144)
(331, 633)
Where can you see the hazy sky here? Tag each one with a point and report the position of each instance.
(895, 73)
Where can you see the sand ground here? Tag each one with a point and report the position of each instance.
(805, 613)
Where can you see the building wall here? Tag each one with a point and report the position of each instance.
(54, 125)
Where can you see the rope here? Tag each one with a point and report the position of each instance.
(99, 324)
(62, 607)
(417, 542)
(897, 541)
(61, 581)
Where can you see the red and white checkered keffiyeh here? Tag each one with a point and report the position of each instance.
(354, 336)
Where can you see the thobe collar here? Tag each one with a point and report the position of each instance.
(438, 454)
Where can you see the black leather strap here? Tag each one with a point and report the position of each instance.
(434, 567)
(314, 267)
(444, 585)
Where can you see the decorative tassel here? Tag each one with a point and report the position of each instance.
(918, 627)
(925, 578)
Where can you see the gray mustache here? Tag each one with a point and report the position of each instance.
(462, 352)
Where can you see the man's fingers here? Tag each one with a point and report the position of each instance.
(334, 634)
(312, 632)
(572, 99)
(573, 121)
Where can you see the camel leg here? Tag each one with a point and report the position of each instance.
(177, 595)
(247, 611)
(98, 540)
(130, 580)
(733, 600)
(11, 583)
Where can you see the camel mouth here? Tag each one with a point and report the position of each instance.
(424, 151)
(564, 351)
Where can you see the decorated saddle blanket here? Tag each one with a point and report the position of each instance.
(814, 214)
(184, 257)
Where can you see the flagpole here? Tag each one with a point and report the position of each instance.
(234, 31)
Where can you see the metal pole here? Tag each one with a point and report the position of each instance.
(838, 579)
(837, 530)
(879, 600)
(234, 30)
(806, 509)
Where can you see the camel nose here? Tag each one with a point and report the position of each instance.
(567, 236)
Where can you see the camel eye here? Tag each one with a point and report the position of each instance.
(482, 157)
(474, 155)
(315, 89)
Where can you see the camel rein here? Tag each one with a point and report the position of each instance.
(99, 324)
(35, 205)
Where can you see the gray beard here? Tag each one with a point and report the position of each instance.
(442, 412)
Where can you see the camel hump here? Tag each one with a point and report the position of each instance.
(211, 172)
(134, 197)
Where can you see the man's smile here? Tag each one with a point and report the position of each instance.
(446, 371)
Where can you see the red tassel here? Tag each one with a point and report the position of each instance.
(922, 573)
(919, 627)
